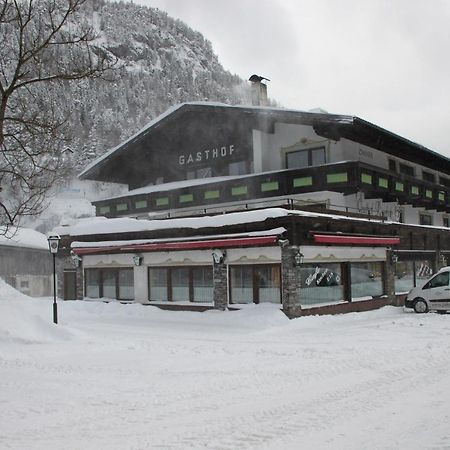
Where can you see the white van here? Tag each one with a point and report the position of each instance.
(434, 295)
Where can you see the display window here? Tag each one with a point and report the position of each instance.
(178, 284)
(255, 284)
(366, 279)
(111, 283)
(409, 274)
(321, 283)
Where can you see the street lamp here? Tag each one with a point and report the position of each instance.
(298, 259)
(53, 244)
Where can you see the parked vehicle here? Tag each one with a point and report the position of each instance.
(434, 295)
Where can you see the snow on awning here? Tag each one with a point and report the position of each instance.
(348, 239)
(183, 245)
(253, 239)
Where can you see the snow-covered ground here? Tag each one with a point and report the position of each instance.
(113, 376)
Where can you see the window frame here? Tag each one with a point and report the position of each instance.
(255, 285)
(428, 176)
(406, 169)
(422, 216)
(114, 271)
(309, 151)
(169, 283)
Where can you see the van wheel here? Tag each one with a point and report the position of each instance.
(420, 306)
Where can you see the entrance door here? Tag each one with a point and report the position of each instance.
(70, 285)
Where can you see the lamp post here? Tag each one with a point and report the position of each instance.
(53, 244)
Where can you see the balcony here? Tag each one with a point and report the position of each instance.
(346, 178)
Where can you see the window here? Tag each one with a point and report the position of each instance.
(321, 283)
(425, 219)
(392, 165)
(366, 178)
(366, 279)
(117, 283)
(104, 209)
(406, 170)
(427, 176)
(237, 168)
(186, 198)
(444, 181)
(140, 204)
(439, 280)
(446, 222)
(428, 193)
(239, 190)
(269, 186)
(162, 201)
(317, 156)
(302, 181)
(441, 196)
(202, 284)
(255, 284)
(189, 284)
(415, 190)
(410, 273)
(210, 195)
(125, 279)
(158, 284)
(383, 182)
(337, 177)
(122, 207)
(92, 283)
(399, 186)
(305, 158)
(180, 283)
(241, 280)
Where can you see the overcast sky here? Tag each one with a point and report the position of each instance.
(386, 61)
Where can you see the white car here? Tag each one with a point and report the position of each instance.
(434, 295)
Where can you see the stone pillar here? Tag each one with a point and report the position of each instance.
(389, 277)
(220, 281)
(290, 281)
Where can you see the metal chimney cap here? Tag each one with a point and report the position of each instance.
(257, 79)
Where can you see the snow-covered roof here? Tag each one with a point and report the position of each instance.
(102, 225)
(23, 237)
(274, 232)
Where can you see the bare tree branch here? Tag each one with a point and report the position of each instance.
(33, 35)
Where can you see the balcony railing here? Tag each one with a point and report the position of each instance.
(346, 178)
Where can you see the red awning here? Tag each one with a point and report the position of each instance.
(181, 245)
(346, 239)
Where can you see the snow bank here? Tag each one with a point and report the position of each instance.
(25, 319)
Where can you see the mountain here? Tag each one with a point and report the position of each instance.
(161, 62)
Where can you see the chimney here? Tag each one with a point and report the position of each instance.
(259, 90)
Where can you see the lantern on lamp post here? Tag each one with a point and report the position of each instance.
(53, 245)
